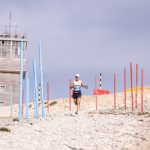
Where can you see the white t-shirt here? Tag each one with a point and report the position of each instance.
(77, 86)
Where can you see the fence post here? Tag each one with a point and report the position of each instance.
(11, 99)
(22, 101)
(115, 91)
(136, 94)
(27, 96)
(125, 88)
(69, 95)
(21, 81)
(35, 92)
(131, 80)
(142, 90)
(48, 97)
(96, 91)
(41, 72)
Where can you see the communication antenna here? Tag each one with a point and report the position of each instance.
(25, 34)
(5, 28)
(15, 26)
(10, 23)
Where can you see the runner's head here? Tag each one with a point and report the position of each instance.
(77, 76)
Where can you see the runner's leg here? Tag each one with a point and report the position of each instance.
(75, 101)
(78, 104)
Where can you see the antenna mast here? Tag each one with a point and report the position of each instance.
(10, 23)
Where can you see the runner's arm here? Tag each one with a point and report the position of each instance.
(71, 85)
(83, 85)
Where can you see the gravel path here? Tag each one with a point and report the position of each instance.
(105, 129)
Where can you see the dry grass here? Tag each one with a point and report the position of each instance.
(4, 129)
(144, 113)
(16, 119)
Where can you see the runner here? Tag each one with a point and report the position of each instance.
(76, 86)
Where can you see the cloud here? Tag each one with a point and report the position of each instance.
(83, 36)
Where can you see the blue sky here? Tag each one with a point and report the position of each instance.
(83, 36)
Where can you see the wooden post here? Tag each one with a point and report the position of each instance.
(35, 92)
(69, 95)
(125, 88)
(22, 101)
(96, 91)
(21, 81)
(27, 96)
(48, 97)
(142, 90)
(131, 80)
(42, 84)
(10, 99)
(136, 94)
(115, 91)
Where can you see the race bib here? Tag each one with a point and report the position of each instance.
(77, 88)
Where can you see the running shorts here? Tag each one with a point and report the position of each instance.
(76, 95)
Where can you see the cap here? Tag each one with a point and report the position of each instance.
(77, 75)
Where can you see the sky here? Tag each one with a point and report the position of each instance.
(83, 36)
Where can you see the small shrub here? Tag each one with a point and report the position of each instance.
(16, 119)
(4, 129)
(30, 106)
(144, 113)
(53, 103)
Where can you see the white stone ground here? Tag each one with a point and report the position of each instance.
(104, 129)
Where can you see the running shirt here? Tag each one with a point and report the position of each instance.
(77, 86)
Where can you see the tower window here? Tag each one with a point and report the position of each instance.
(2, 87)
